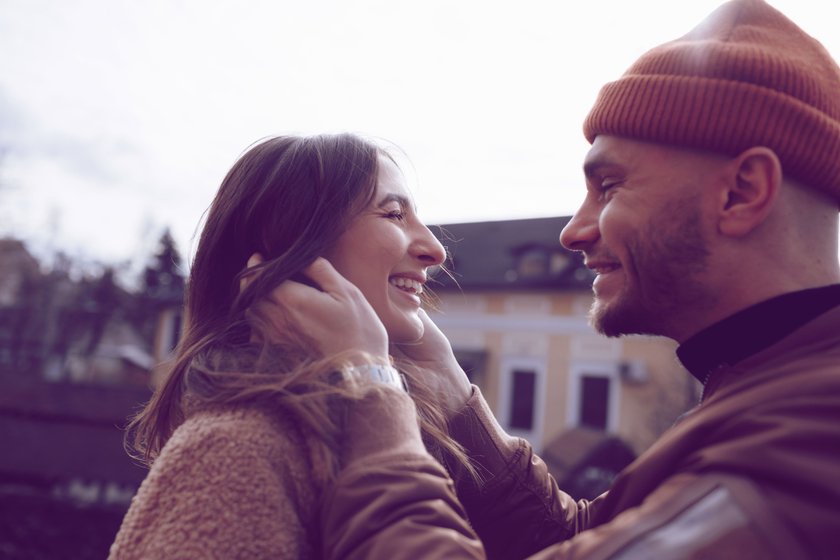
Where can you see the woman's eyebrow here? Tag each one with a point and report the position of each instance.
(398, 198)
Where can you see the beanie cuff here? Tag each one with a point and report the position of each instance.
(722, 116)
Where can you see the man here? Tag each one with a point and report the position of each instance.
(711, 217)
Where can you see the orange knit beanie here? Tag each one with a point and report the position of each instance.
(746, 76)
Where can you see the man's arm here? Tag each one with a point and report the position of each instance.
(410, 509)
(688, 516)
(517, 495)
(392, 499)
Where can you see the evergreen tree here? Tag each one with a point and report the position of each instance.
(163, 279)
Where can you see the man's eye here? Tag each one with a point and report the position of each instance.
(395, 215)
(606, 186)
(609, 183)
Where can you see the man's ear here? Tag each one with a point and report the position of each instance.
(752, 186)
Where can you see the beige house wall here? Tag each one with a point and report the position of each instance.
(548, 332)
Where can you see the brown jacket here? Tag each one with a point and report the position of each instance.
(753, 472)
(230, 483)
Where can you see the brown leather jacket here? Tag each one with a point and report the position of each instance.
(753, 472)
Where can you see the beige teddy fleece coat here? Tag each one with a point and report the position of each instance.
(230, 483)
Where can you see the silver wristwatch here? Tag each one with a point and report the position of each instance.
(379, 373)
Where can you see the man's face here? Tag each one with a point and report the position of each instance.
(642, 231)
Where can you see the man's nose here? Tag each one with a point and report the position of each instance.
(582, 230)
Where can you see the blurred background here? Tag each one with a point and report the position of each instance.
(118, 120)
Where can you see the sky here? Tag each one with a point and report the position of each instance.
(119, 118)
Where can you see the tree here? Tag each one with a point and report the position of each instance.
(162, 279)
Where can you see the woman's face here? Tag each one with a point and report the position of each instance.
(386, 251)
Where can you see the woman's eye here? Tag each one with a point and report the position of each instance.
(395, 215)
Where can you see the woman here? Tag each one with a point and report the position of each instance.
(242, 437)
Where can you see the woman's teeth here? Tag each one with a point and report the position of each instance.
(407, 284)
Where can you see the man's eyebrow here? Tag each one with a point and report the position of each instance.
(590, 167)
(593, 165)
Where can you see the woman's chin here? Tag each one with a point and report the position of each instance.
(406, 332)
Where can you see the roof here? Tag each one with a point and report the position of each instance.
(510, 254)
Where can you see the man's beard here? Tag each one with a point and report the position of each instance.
(665, 286)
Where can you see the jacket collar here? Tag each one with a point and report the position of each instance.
(747, 332)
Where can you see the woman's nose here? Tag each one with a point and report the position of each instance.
(427, 248)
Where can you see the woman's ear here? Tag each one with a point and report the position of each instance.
(248, 275)
(751, 190)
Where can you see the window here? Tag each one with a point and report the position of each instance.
(532, 264)
(594, 401)
(559, 263)
(522, 399)
(593, 396)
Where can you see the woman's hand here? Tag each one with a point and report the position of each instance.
(434, 354)
(337, 317)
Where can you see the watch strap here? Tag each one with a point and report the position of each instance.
(380, 373)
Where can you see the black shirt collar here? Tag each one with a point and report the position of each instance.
(741, 335)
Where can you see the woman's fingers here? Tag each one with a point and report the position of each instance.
(322, 273)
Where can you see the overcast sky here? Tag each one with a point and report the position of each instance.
(119, 118)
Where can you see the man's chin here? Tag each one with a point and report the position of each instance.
(615, 320)
(606, 328)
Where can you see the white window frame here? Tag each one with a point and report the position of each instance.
(578, 370)
(523, 363)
